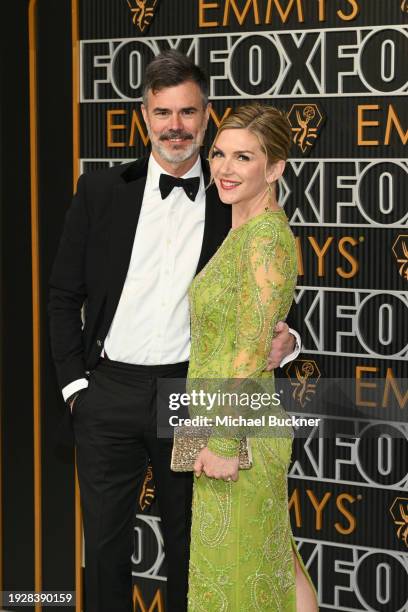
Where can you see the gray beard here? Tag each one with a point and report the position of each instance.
(176, 157)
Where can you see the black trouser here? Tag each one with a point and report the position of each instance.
(115, 434)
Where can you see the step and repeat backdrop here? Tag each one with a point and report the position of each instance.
(339, 69)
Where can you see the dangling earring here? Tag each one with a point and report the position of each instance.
(270, 196)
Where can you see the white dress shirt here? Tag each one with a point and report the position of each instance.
(152, 322)
(151, 325)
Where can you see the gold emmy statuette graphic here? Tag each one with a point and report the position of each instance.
(399, 513)
(305, 121)
(147, 493)
(143, 12)
(304, 375)
(404, 6)
(400, 250)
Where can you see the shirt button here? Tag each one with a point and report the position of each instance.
(99, 342)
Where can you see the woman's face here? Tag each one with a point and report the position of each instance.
(238, 167)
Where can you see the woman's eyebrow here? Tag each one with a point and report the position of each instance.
(234, 152)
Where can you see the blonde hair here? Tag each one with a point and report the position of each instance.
(269, 124)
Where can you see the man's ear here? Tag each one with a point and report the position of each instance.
(275, 171)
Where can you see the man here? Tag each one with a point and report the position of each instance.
(133, 240)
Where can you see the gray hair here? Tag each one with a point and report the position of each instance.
(172, 68)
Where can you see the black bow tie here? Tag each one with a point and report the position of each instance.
(190, 185)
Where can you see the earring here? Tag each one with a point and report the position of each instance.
(270, 196)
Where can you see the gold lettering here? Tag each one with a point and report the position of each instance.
(284, 14)
(364, 385)
(320, 252)
(111, 127)
(322, 10)
(353, 14)
(295, 503)
(240, 16)
(318, 506)
(136, 125)
(390, 383)
(351, 519)
(361, 122)
(138, 602)
(301, 270)
(392, 119)
(216, 118)
(352, 260)
(205, 6)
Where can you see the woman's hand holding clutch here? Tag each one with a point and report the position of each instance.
(217, 467)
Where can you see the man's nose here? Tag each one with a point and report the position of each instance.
(176, 122)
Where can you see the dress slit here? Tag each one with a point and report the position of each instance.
(304, 571)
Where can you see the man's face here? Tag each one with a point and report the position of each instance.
(176, 121)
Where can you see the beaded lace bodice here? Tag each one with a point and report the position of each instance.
(238, 297)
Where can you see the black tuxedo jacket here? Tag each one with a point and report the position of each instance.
(93, 258)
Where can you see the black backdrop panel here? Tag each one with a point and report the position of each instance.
(17, 536)
(55, 186)
(54, 561)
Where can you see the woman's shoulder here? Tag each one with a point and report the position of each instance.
(271, 224)
(270, 238)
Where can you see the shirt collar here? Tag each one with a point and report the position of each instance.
(155, 170)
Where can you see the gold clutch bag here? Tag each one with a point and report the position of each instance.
(189, 441)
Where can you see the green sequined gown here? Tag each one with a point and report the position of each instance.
(241, 540)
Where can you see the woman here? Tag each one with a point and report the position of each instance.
(243, 555)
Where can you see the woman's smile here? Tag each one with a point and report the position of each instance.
(228, 184)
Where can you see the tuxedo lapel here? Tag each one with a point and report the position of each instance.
(217, 221)
(126, 205)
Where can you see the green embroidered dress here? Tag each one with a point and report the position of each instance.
(241, 544)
